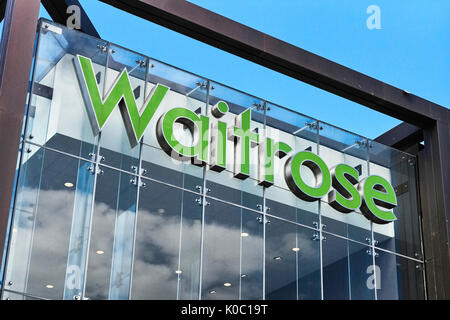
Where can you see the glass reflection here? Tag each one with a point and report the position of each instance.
(347, 269)
(56, 113)
(232, 255)
(49, 183)
(292, 262)
(399, 278)
(403, 235)
(167, 254)
(112, 235)
(115, 145)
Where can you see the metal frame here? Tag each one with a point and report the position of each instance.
(16, 54)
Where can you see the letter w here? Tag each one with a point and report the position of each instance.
(120, 94)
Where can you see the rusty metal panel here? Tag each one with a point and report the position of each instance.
(16, 51)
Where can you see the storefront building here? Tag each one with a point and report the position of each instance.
(189, 189)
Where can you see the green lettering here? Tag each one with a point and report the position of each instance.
(377, 194)
(295, 181)
(243, 138)
(345, 198)
(267, 153)
(121, 93)
(199, 128)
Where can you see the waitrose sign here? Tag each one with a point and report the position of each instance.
(373, 195)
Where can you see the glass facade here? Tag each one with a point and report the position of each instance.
(97, 218)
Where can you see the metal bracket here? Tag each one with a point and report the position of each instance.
(313, 125)
(202, 85)
(261, 106)
(316, 237)
(101, 47)
(260, 220)
(91, 169)
(401, 188)
(260, 208)
(141, 63)
(200, 202)
(370, 252)
(364, 143)
(52, 28)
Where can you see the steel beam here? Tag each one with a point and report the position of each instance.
(223, 33)
(16, 54)
(434, 185)
(57, 10)
(401, 137)
(2, 9)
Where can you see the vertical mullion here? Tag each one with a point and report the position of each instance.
(320, 217)
(372, 236)
(296, 263)
(96, 168)
(180, 242)
(264, 219)
(91, 214)
(349, 270)
(240, 256)
(133, 248)
(202, 235)
(139, 183)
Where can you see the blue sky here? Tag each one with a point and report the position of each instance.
(410, 51)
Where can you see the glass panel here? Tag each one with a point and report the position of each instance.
(351, 225)
(52, 190)
(57, 115)
(360, 270)
(159, 166)
(288, 125)
(115, 144)
(244, 124)
(337, 146)
(299, 133)
(112, 236)
(167, 255)
(226, 179)
(233, 251)
(187, 91)
(287, 206)
(233, 190)
(292, 262)
(403, 235)
(346, 269)
(400, 278)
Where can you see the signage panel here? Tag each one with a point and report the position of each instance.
(341, 184)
